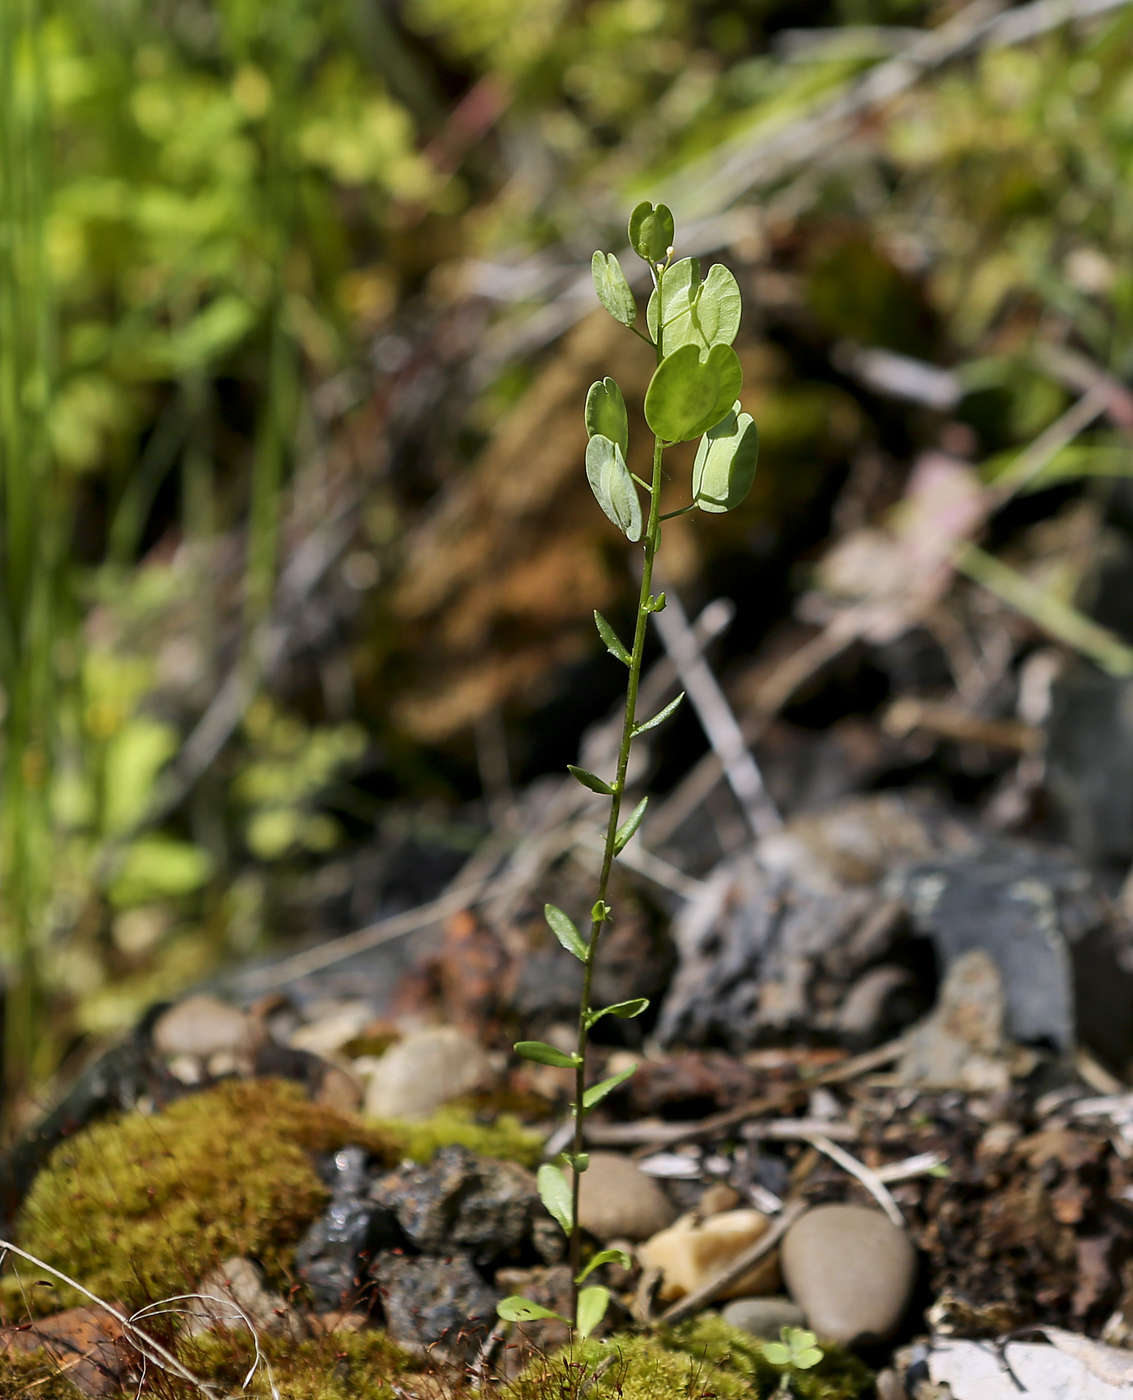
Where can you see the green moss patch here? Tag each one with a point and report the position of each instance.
(140, 1207)
(505, 1137)
(704, 1359)
(343, 1366)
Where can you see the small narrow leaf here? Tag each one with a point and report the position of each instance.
(554, 1192)
(544, 1054)
(600, 911)
(612, 483)
(517, 1309)
(651, 232)
(628, 828)
(595, 1095)
(592, 1305)
(657, 604)
(688, 395)
(659, 718)
(605, 1256)
(590, 780)
(614, 644)
(564, 930)
(725, 463)
(580, 1163)
(613, 290)
(605, 413)
(624, 1010)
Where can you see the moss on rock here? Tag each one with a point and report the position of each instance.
(505, 1137)
(139, 1207)
(701, 1359)
(342, 1366)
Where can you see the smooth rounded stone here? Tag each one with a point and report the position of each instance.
(203, 1025)
(426, 1069)
(851, 1270)
(235, 1296)
(694, 1251)
(763, 1317)
(618, 1200)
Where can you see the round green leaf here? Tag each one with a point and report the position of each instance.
(613, 290)
(690, 312)
(688, 395)
(725, 463)
(613, 486)
(606, 413)
(651, 232)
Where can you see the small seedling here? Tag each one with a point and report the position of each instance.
(691, 323)
(796, 1350)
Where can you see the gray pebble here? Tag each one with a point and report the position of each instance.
(763, 1317)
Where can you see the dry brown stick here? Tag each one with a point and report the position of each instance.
(779, 1098)
(710, 1291)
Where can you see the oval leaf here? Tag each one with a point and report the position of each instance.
(672, 305)
(592, 1305)
(688, 395)
(690, 312)
(599, 1091)
(564, 930)
(613, 290)
(614, 644)
(590, 780)
(612, 484)
(651, 232)
(605, 1256)
(606, 413)
(660, 717)
(629, 827)
(625, 1010)
(725, 463)
(517, 1309)
(554, 1192)
(544, 1054)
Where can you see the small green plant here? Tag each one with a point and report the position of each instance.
(796, 1350)
(691, 324)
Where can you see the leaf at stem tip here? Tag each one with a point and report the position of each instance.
(612, 484)
(612, 288)
(605, 1256)
(600, 912)
(594, 1096)
(688, 395)
(605, 413)
(628, 828)
(592, 1305)
(565, 931)
(651, 232)
(517, 1309)
(658, 718)
(544, 1054)
(614, 644)
(590, 780)
(554, 1192)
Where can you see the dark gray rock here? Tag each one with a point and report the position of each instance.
(462, 1202)
(1024, 906)
(335, 1254)
(1090, 762)
(435, 1305)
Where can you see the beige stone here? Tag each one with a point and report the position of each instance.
(234, 1296)
(426, 1069)
(618, 1200)
(693, 1251)
(203, 1025)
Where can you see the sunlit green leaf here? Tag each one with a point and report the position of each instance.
(592, 1305)
(629, 827)
(606, 413)
(688, 395)
(544, 1054)
(595, 1095)
(614, 644)
(660, 717)
(613, 486)
(605, 1256)
(625, 1010)
(651, 232)
(590, 780)
(517, 1309)
(725, 463)
(613, 290)
(555, 1193)
(564, 930)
